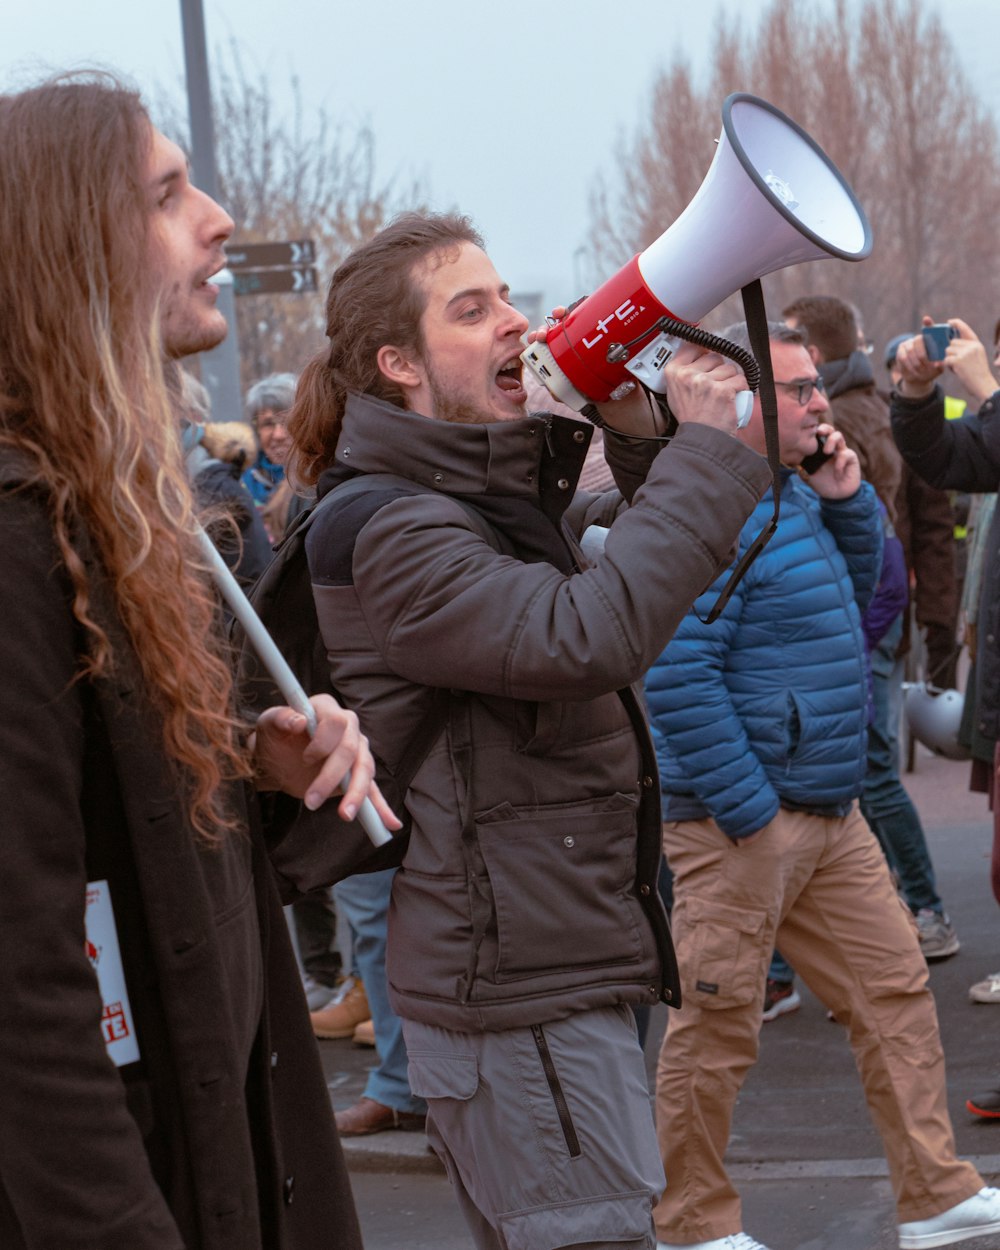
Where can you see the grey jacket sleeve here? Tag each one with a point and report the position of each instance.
(445, 609)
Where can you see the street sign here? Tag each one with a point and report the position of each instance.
(274, 281)
(262, 255)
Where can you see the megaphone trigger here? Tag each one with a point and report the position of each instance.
(744, 407)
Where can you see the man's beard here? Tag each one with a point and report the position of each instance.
(186, 336)
(448, 408)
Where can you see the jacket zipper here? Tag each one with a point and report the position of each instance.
(556, 1090)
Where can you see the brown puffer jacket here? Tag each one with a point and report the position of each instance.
(528, 890)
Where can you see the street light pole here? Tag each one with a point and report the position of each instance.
(220, 368)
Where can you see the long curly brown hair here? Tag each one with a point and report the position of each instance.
(84, 400)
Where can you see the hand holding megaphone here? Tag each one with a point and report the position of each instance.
(704, 387)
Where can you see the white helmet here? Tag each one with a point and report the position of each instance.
(934, 716)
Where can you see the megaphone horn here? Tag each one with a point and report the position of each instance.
(771, 198)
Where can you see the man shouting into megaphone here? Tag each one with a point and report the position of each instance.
(525, 920)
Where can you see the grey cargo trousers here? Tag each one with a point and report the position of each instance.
(546, 1131)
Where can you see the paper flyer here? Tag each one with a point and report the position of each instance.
(105, 956)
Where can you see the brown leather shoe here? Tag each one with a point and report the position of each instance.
(341, 1017)
(368, 1116)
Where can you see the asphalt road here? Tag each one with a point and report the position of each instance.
(803, 1151)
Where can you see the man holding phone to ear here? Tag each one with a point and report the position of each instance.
(760, 726)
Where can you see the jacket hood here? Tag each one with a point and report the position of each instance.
(847, 374)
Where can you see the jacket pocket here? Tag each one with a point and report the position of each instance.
(793, 726)
(561, 878)
(720, 948)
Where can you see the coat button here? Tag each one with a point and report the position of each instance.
(569, 840)
(274, 1058)
(439, 478)
(346, 452)
(647, 782)
(289, 1190)
(644, 891)
(563, 484)
(668, 995)
(578, 436)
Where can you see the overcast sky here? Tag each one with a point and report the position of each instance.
(507, 112)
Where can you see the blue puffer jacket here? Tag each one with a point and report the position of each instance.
(767, 705)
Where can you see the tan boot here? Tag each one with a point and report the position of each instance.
(342, 1017)
(364, 1034)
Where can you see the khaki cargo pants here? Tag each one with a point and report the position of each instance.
(819, 888)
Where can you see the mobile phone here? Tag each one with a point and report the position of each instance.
(818, 458)
(936, 339)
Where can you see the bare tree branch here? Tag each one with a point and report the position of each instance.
(880, 89)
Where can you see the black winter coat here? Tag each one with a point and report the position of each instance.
(220, 1136)
(963, 454)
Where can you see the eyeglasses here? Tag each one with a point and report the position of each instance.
(804, 390)
(265, 427)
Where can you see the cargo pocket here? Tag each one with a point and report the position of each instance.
(562, 878)
(719, 947)
(624, 1220)
(434, 1075)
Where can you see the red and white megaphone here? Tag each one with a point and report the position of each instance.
(772, 198)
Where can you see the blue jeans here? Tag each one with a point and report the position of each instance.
(365, 902)
(884, 803)
(780, 969)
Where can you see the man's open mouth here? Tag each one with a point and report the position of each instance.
(509, 377)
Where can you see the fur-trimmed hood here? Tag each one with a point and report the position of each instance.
(231, 441)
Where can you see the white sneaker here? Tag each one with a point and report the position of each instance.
(735, 1241)
(986, 991)
(975, 1217)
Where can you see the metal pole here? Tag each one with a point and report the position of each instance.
(220, 368)
(277, 666)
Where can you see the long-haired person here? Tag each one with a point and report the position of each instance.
(161, 1087)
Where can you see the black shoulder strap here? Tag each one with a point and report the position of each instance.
(364, 483)
(753, 304)
(288, 570)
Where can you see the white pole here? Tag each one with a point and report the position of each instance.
(277, 666)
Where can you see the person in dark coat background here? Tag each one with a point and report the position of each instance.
(963, 454)
(161, 1087)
